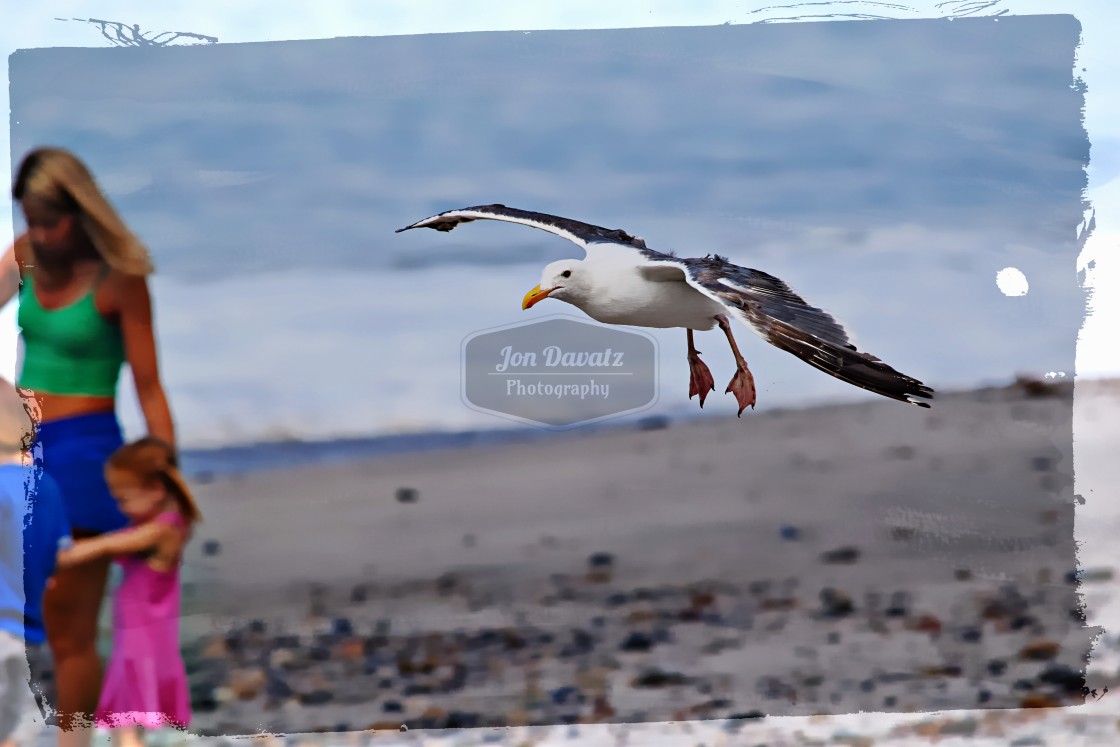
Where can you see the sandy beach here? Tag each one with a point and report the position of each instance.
(971, 478)
(871, 557)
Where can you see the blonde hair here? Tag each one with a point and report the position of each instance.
(153, 460)
(58, 180)
(17, 424)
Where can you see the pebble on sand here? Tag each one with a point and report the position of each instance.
(841, 555)
(1039, 651)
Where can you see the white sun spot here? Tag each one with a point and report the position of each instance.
(1011, 282)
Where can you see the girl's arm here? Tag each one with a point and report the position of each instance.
(140, 348)
(122, 542)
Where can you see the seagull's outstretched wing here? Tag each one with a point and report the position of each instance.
(786, 321)
(582, 234)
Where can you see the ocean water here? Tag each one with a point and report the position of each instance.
(202, 465)
(206, 464)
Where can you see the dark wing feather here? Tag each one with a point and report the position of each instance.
(583, 234)
(789, 323)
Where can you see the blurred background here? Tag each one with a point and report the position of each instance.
(888, 172)
(268, 180)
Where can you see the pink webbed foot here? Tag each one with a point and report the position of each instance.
(742, 386)
(701, 381)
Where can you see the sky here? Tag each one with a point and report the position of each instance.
(892, 195)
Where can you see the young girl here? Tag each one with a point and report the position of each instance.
(145, 681)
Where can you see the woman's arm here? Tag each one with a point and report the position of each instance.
(140, 349)
(9, 276)
(122, 542)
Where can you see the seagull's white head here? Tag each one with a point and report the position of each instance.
(566, 280)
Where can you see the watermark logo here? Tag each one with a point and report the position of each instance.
(559, 371)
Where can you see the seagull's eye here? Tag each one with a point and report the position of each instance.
(566, 274)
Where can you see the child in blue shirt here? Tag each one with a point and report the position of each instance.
(33, 528)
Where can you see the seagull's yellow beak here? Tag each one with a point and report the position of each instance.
(534, 296)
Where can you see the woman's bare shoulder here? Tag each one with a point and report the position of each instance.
(122, 288)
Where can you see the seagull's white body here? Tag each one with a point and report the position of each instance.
(622, 281)
(625, 292)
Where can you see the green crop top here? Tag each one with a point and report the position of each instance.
(71, 350)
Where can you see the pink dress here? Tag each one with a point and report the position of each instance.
(145, 679)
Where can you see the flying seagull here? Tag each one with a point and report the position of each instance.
(622, 281)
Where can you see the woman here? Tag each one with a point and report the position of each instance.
(84, 311)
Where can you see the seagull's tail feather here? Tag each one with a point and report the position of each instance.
(847, 364)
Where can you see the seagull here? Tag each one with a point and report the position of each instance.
(622, 281)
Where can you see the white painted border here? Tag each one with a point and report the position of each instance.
(38, 25)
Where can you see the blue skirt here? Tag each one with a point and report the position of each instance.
(73, 451)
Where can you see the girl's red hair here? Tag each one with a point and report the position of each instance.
(153, 460)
